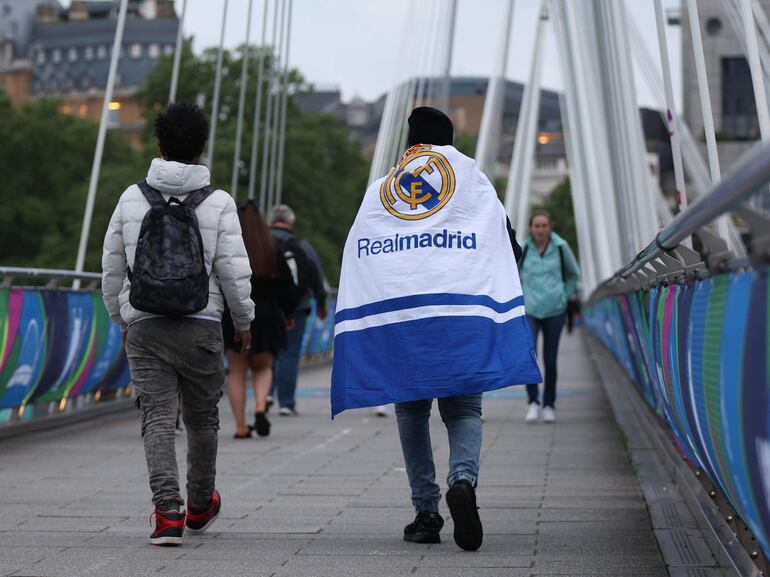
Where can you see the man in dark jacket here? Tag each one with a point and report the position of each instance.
(306, 266)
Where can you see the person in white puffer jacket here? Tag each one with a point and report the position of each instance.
(172, 357)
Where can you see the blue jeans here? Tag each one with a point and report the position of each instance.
(552, 327)
(287, 362)
(462, 417)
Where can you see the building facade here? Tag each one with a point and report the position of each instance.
(466, 104)
(729, 78)
(65, 53)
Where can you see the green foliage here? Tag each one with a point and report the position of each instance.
(324, 175)
(559, 205)
(45, 160)
(465, 143)
(46, 156)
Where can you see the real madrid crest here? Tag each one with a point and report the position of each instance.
(419, 186)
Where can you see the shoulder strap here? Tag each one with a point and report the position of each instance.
(563, 266)
(523, 254)
(196, 197)
(154, 197)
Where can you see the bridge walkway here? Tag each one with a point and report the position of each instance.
(329, 498)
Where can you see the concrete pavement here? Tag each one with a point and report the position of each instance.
(330, 498)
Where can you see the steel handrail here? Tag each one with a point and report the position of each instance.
(743, 180)
(48, 273)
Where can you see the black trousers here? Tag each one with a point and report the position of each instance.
(551, 327)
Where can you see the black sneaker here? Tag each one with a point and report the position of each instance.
(261, 424)
(424, 529)
(461, 499)
(169, 527)
(200, 518)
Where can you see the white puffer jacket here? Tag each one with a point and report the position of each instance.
(224, 252)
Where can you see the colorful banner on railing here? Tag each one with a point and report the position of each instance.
(698, 353)
(60, 344)
(56, 345)
(318, 340)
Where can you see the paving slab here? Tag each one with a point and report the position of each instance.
(330, 498)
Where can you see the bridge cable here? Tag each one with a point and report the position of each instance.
(257, 106)
(177, 55)
(241, 105)
(217, 88)
(100, 139)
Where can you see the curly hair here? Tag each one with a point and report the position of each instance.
(182, 131)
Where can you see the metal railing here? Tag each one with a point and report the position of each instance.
(9, 274)
(687, 326)
(744, 179)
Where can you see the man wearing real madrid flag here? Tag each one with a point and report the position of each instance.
(430, 307)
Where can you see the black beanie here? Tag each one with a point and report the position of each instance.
(430, 126)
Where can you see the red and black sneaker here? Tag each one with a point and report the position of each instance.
(169, 526)
(200, 518)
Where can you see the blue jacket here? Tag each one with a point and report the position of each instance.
(545, 291)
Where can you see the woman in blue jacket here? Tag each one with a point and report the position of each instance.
(549, 276)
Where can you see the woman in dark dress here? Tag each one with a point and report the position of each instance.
(275, 297)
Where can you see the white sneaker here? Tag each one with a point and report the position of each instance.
(549, 415)
(381, 411)
(533, 413)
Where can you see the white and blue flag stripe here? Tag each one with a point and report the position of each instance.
(430, 302)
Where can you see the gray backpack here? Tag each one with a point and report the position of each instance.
(169, 276)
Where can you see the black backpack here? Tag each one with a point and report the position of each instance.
(303, 271)
(169, 276)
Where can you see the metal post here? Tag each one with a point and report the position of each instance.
(284, 105)
(257, 108)
(100, 139)
(672, 117)
(639, 191)
(408, 104)
(578, 176)
(276, 112)
(268, 117)
(576, 34)
(705, 101)
(217, 87)
(241, 105)
(520, 175)
(427, 52)
(177, 55)
(446, 88)
(489, 132)
(693, 161)
(384, 134)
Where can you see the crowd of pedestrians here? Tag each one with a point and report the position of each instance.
(194, 280)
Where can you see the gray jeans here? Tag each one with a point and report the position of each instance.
(170, 358)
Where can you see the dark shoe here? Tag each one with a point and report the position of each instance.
(261, 424)
(461, 499)
(246, 435)
(424, 529)
(169, 526)
(200, 518)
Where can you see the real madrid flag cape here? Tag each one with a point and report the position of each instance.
(429, 302)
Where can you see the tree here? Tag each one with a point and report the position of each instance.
(45, 160)
(324, 176)
(559, 206)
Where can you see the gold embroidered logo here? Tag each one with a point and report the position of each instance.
(420, 185)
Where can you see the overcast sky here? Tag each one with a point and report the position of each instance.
(354, 44)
